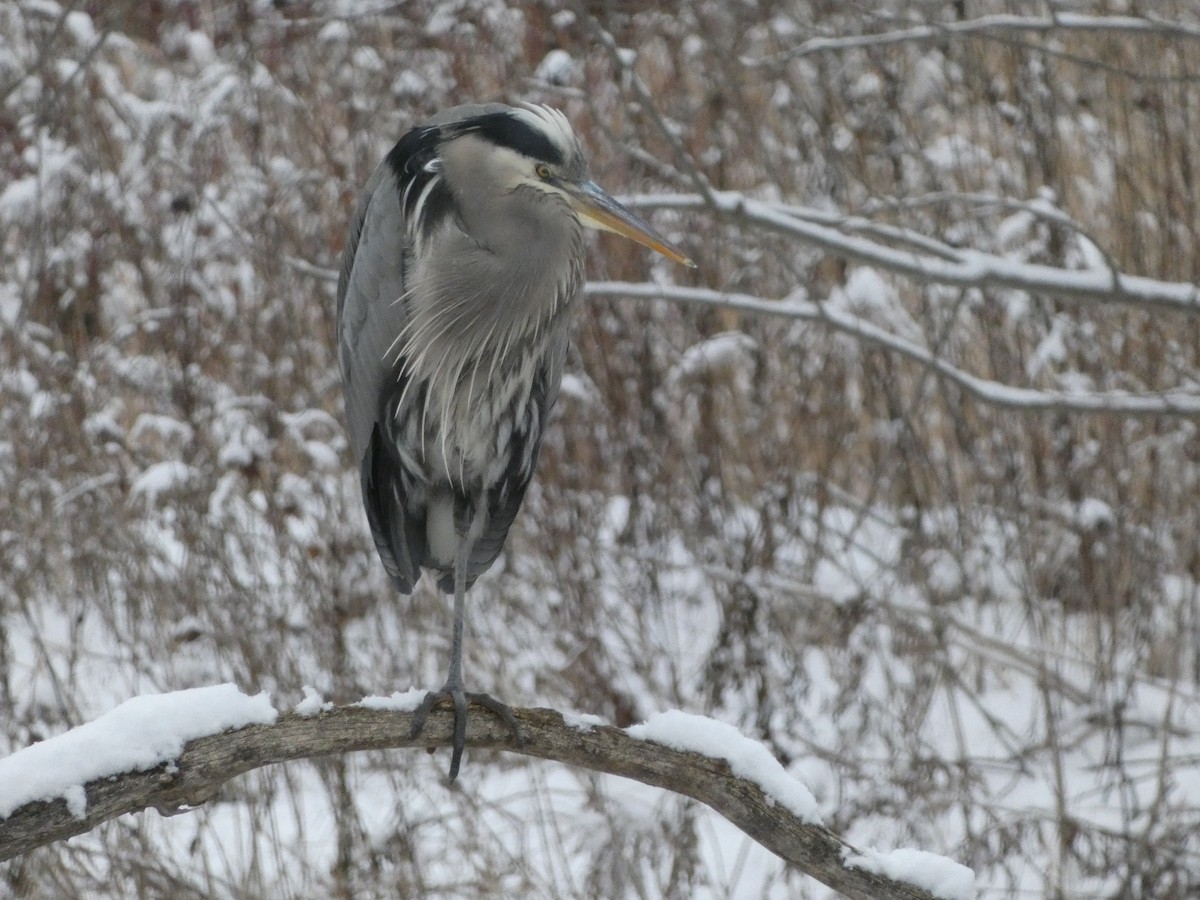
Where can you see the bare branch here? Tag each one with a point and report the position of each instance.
(207, 763)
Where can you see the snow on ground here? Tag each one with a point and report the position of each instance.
(141, 733)
(983, 723)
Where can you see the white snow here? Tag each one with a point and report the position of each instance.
(747, 758)
(367, 59)
(869, 295)
(558, 67)
(200, 48)
(398, 701)
(728, 350)
(951, 152)
(866, 86)
(166, 428)
(335, 32)
(140, 734)
(312, 703)
(1051, 350)
(940, 876)
(579, 389)
(1093, 256)
(79, 24)
(1094, 514)
(160, 478)
(584, 722)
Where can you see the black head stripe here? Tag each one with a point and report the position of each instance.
(505, 130)
(414, 165)
(413, 152)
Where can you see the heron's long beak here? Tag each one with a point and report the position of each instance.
(597, 209)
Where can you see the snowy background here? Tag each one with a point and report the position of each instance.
(926, 527)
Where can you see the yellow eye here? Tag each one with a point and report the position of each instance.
(542, 171)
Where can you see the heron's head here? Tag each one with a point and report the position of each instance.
(534, 146)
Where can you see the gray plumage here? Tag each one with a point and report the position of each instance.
(463, 261)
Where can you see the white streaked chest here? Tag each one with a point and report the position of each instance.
(457, 424)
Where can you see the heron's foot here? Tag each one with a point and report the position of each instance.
(460, 700)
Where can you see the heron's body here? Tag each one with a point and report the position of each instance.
(450, 354)
(463, 261)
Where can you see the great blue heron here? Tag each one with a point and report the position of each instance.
(463, 261)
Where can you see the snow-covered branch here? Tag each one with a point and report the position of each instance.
(994, 26)
(173, 752)
(1179, 403)
(950, 266)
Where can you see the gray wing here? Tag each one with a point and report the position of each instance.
(374, 264)
(370, 316)
(369, 312)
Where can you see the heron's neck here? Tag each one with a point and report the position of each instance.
(471, 300)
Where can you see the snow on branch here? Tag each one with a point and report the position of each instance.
(1178, 403)
(141, 734)
(993, 26)
(173, 752)
(951, 266)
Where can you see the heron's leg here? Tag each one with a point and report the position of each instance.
(453, 689)
(454, 681)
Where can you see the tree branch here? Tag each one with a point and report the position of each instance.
(964, 268)
(207, 763)
(1000, 25)
(1182, 404)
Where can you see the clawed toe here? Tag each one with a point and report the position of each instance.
(500, 709)
(460, 701)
